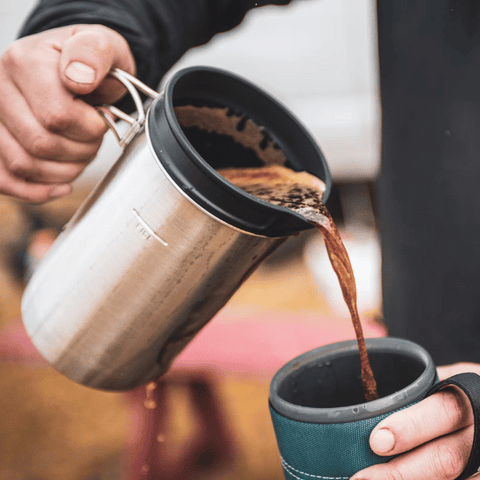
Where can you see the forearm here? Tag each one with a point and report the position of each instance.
(159, 32)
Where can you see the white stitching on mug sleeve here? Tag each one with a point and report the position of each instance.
(289, 468)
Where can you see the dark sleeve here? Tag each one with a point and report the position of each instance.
(159, 32)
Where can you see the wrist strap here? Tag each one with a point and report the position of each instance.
(469, 383)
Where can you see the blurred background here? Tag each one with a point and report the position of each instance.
(211, 417)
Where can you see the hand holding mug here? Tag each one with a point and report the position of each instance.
(416, 430)
(433, 438)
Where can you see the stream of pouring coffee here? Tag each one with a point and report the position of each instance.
(302, 193)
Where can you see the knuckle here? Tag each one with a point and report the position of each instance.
(56, 118)
(412, 425)
(97, 40)
(19, 167)
(12, 54)
(102, 43)
(39, 145)
(394, 473)
(447, 462)
(451, 407)
(89, 153)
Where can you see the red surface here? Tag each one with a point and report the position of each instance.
(261, 345)
(265, 343)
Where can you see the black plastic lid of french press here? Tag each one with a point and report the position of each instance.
(197, 176)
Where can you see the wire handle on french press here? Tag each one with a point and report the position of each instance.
(131, 83)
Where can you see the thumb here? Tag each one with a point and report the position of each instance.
(86, 58)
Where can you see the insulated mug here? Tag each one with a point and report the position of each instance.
(321, 421)
(164, 241)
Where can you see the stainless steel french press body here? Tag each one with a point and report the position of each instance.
(163, 241)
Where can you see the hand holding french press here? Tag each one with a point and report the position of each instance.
(48, 132)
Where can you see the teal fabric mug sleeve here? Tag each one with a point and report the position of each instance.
(320, 418)
(332, 451)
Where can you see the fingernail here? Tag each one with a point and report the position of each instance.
(382, 441)
(60, 191)
(80, 73)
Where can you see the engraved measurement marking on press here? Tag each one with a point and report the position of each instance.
(145, 231)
